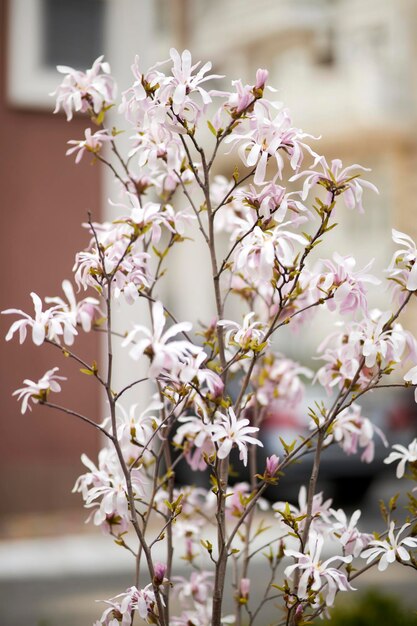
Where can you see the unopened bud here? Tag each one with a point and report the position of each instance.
(244, 590)
(159, 573)
(261, 78)
(272, 464)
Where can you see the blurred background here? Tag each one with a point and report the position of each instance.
(347, 70)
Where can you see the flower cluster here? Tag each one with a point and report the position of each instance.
(122, 608)
(58, 321)
(316, 573)
(351, 430)
(357, 355)
(93, 90)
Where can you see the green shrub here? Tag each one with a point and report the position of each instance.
(372, 609)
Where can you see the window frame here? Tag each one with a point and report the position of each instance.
(29, 81)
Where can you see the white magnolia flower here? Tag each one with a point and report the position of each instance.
(38, 391)
(403, 266)
(247, 336)
(83, 91)
(352, 540)
(165, 354)
(403, 455)
(390, 549)
(316, 573)
(229, 431)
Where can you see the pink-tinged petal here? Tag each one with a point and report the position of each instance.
(224, 449)
(412, 279)
(158, 319)
(175, 329)
(157, 365)
(261, 169)
(79, 155)
(17, 325)
(253, 155)
(186, 62)
(38, 333)
(402, 553)
(411, 375)
(138, 349)
(22, 333)
(179, 94)
(37, 303)
(349, 198)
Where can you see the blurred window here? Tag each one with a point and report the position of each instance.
(73, 32)
(46, 33)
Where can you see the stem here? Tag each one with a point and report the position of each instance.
(125, 470)
(85, 419)
(221, 543)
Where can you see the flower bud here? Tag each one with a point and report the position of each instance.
(159, 573)
(272, 464)
(244, 590)
(261, 78)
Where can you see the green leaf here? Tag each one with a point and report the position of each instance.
(211, 127)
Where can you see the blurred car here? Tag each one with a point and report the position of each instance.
(343, 477)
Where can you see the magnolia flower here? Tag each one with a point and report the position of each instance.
(50, 324)
(346, 285)
(82, 312)
(229, 431)
(390, 549)
(184, 82)
(199, 587)
(91, 143)
(272, 202)
(352, 540)
(248, 336)
(198, 435)
(255, 256)
(135, 99)
(316, 573)
(268, 132)
(278, 380)
(143, 217)
(85, 91)
(403, 455)
(385, 345)
(320, 511)
(157, 146)
(134, 429)
(374, 338)
(403, 266)
(352, 430)
(122, 607)
(38, 392)
(165, 355)
(105, 492)
(337, 181)
(411, 377)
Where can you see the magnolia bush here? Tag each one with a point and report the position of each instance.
(210, 391)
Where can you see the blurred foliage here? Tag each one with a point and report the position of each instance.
(370, 609)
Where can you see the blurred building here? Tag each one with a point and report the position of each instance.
(346, 69)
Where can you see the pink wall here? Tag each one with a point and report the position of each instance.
(44, 199)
